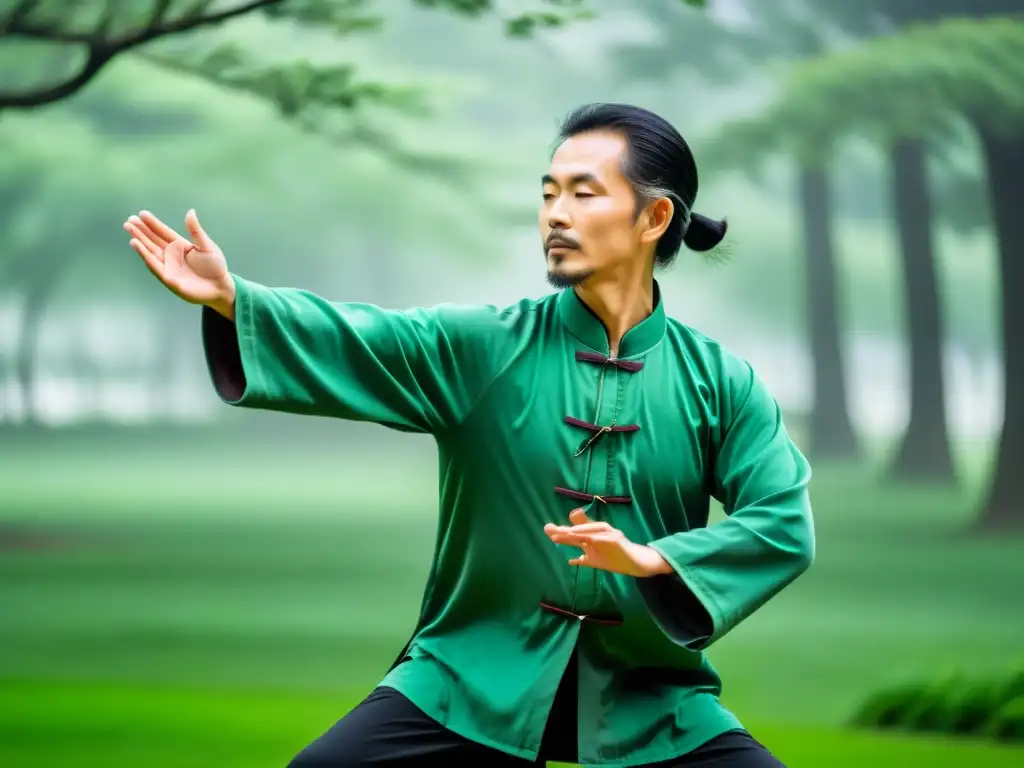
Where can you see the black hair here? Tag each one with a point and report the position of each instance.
(658, 163)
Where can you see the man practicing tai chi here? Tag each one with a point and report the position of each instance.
(576, 583)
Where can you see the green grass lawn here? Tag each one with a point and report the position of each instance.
(78, 725)
(161, 606)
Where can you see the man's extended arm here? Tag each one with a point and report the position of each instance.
(291, 350)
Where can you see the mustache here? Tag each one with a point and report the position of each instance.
(559, 240)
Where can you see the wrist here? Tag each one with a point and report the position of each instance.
(654, 563)
(661, 567)
(224, 303)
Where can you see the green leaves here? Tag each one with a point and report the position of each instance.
(914, 83)
(918, 84)
(107, 28)
(463, 7)
(549, 14)
(295, 87)
(340, 17)
(526, 24)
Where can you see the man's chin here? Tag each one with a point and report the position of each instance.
(558, 278)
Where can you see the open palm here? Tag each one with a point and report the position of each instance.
(194, 270)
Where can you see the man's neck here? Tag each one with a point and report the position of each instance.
(619, 304)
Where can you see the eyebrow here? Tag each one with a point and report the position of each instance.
(579, 178)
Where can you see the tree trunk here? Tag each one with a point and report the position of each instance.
(37, 298)
(1004, 507)
(831, 430)
(7, 368)
(924, 453)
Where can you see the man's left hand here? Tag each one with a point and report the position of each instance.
(606, 548)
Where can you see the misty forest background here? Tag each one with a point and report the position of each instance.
(186, 585)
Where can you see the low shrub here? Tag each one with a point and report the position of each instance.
(953, 704)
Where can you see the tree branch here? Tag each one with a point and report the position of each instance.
(19, 26)
(95, 61)
(102, 49)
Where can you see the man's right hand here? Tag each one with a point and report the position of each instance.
(194, 270)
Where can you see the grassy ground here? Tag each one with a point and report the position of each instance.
(79, 725)
(168, 606)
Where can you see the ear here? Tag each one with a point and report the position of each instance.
(655, 219)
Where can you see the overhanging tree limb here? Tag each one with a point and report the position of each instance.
(24, 22)
(102, 46)
(28, 20)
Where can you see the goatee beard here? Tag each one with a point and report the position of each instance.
(562, 280)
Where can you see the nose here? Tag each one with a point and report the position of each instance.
(558, 215)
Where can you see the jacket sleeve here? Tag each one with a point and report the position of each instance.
(724, 572)
(290, 350)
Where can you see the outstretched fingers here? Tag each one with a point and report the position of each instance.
(158, 228)
(588, 528)
(570, 539)
(570, 534)
(146, 236)
(153, 260)
(578, 539)
(199, 236)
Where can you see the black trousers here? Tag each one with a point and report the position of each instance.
(386, 729)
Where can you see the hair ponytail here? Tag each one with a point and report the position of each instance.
(704, 234)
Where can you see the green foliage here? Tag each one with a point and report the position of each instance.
(341, 17)
(910, 84)
(1008, 723)
(548, 15)
(953, 704)
(917, 84)
(105, 29)
(298, 89)
(935, 705)
(885, 709)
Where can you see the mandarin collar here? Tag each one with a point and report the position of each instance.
(582, 323)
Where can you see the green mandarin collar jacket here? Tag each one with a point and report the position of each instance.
(532, 419)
